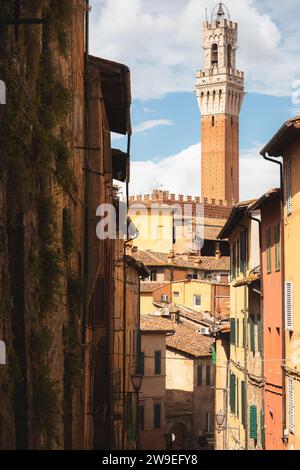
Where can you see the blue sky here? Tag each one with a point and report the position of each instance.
(161, 43)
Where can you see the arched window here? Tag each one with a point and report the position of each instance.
(213, 121)
(229, 56)
(214, 55)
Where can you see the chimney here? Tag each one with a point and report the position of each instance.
(171, 257)
(218, 253)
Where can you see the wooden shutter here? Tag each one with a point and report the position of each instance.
(288, 186)
(214, 354)
(268, 247)
(232, 393)
(277, 246)
(291, 391)
(237, 398)
(253, 422)
(243, 397)
(157, 362)
(289, 306)
(237, 332)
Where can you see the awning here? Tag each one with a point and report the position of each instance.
(120, 165)
(116, 90)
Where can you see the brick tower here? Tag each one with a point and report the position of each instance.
(220, 93)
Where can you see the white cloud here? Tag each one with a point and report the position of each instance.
(145, 126)
(181, 174)
(161, 42)
(152, 124)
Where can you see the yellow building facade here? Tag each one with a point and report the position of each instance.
(243, 419)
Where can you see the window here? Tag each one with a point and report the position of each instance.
(213, 121)
(176, 295)
(252, 333)
(208, 380)
(277, 246)
(289, 306)
(207, 428)
(141, 365)
(232, 331)
(243, 397)
(199, 376)
(243, 251)
(142, 417)
(197, 301)
(237, 399)
(291, 392)
(253, 422)
(229, 56)
(268, 249)
(214, 55)
(232, 393)
(237, 332)
(157, 415)
(157, 365)
(164, 298)
(233, 261)
(153, 276)
(259, 334)
(288, 186)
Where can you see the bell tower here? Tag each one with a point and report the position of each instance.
(220, 94)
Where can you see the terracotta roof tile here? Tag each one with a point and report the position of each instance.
(185, 339)
(150, 258)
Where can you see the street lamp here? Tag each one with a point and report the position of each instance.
(136, 380)
(220, 418)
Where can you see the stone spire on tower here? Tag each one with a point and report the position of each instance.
(220, 93)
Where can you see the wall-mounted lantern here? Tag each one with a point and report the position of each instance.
(2, 92)
(2, 353)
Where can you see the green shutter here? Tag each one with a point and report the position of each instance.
(252, 333)
(214, 354)
(232, 331)
(253, 422)
(237, 332)
(243, 396)
(268, 247)
(277, 246)
(262, 429)
(244, 333)
(237, 398)
(232, 392)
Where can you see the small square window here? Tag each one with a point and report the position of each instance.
(197, 301)
(176, 294)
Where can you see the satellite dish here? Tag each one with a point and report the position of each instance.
(2, 353)
(2, 92)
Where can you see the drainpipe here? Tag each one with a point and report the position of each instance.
(125, 299)
(261, 316)
(266, 157)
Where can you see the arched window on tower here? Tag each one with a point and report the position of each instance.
(214, 55)
(213, 121)
(229, 56)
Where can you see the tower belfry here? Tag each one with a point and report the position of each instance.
(220, 93)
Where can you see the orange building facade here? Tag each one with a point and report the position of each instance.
(270, 207)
